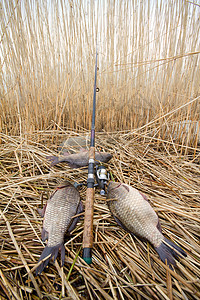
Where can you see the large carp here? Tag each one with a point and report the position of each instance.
(64, 204)
(133, 212)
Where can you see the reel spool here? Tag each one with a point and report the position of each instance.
(102, 177)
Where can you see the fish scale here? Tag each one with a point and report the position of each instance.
(142, 212)
(134, 213)
(54, 225)
(61, 207)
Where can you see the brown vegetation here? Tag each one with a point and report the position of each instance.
(122, 265)
(149, 80)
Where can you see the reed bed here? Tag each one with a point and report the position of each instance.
(148, 63)
(123, 267)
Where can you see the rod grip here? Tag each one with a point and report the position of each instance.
(88, 226)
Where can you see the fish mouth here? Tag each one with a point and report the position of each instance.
(115, 186)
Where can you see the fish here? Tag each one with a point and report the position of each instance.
(133, 212)
(58, 221)
(80, 159)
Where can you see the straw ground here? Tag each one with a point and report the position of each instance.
(123, 267)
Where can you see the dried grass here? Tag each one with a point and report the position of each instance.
(149, 85)
(148, 63)
(123, 267)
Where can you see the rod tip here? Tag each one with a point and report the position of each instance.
(87, 255)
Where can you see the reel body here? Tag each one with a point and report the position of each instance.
(102, 178)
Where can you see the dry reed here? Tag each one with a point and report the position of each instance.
(148, 63)
(149, 85)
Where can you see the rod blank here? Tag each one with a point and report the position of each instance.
(89, 203)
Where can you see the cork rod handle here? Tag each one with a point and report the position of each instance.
(89, 210)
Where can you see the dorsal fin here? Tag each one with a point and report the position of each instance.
(144, 196)
(126, 187)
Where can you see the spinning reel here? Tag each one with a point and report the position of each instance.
(102, 178)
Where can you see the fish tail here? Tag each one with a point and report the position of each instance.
(62, 248)
(168, 251)
(51, 252)
(53, 159)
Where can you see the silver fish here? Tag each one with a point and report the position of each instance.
(132, 211)
(80, 159)
(60, 208)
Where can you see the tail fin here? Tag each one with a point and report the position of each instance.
(170, 251)
(53, 159)
(51, 252)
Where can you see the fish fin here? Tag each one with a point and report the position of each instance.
(65, 153)
(144, 196)
(55, 253)
(53, 159)
(168, 251)
(159, 226)
(41, 211)
(126, 187)
(62, 248)
(48, 251)
(121, 224)
(44, 235)
(76, 219)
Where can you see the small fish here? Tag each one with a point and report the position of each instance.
(63, 204)
(132, 211)
(80, 159)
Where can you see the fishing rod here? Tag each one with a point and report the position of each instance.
(89, 203)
